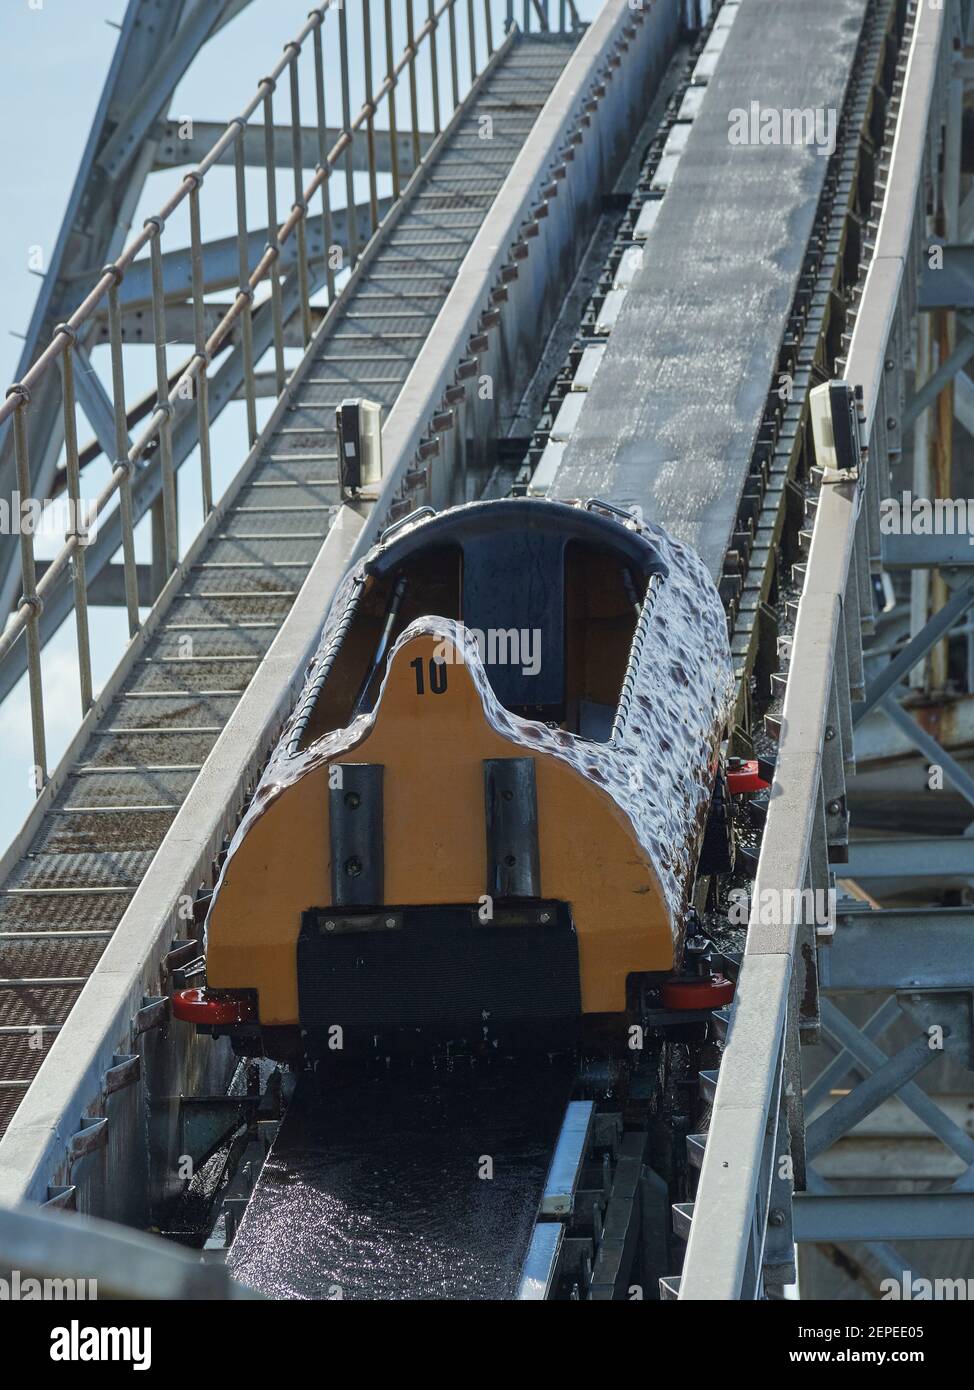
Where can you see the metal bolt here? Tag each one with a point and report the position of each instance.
(510, 861)
(507, 794)
(391, 923)
(353, 866)
(829, 733)
(329, 926)
(352, 800)
(545, 917)
(835, 807)
(776, 1218)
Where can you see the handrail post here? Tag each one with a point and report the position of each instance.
(370, 110)
(434, 67)
(123, 464)
(413, 97)
(29, 576)
(170, 519)
(77, 532)
(351, 217)
(299, 205)
(472, 38)
(277, 312)
(391, 75)
(243, 270)
(199, 345)
(327, 232)
(454, 74)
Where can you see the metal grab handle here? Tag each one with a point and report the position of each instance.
(404, 521)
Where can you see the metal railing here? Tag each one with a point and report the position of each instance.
(741, 1217)
(190, 391)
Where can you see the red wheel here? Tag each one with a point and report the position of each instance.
(200, 1006)
(697, 992)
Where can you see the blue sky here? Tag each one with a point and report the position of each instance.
(54, 59)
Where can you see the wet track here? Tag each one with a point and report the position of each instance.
(376, 1190)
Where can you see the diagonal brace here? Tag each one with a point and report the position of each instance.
(841, 1064)
(933, 751)
(942, 377)
(914, 651)
(884, 1082)
(869, 1057)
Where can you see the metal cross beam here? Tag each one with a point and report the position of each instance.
(897, 948)
(912, 1216)
(856, 1104)
(885, 1255)
(181, 322)
(221, 268)
(161, 77)
(911, 858)
(186, 143)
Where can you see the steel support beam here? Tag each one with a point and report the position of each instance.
(107, 590)
(856, 1104)
(951, 285)
(221, 261)
(176, 149)
(843, 1063)
(964, 401)
(910, 858)
(95, 402)
(181, 323)
(912, 1216)
(928, 552)
(162, 76)
(899, 948)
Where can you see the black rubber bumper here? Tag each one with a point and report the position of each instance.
(439, 970)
